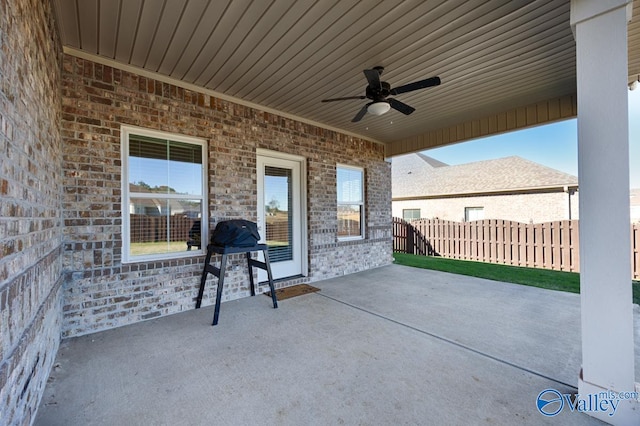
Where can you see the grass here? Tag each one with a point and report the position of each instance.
(541, 278)
(138, 249)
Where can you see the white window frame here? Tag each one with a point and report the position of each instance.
(361, 203)
(468, 210)
(403, 215)
(125, 133)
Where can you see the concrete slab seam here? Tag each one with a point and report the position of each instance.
(444, 339)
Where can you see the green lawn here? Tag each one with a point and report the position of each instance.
(161, 247)
(542, 278)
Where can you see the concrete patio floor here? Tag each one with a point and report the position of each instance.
(394, 345)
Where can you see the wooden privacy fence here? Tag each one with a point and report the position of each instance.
(550, 245)
(277, 230)
(408, 239)
(145, 228)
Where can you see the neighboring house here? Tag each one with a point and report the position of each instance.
(510, 188)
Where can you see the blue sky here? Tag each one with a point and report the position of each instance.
(554, 145)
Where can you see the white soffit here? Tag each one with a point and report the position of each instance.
(287, 55)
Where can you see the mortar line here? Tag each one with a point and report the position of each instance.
(452, 342)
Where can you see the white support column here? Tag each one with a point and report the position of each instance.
(600, 30)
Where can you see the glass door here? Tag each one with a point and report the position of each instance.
(280, 215)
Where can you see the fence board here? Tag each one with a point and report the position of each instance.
(488, 238)
(555, 246)
(550, 245)
(513, 252)
(546, 246)
(522, 251)
(476, 240)
(565, 229)
(538, 251)
(493, 232)
(500, 241)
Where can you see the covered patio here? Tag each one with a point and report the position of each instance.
(232, 91)
(392, 345)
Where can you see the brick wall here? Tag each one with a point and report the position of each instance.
(525, 208)
(101, 292)
(30, 219)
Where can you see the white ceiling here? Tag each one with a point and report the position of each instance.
(287, 55)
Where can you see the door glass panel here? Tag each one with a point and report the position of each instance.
(278, 193)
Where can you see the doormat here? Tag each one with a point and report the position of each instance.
(293, 291)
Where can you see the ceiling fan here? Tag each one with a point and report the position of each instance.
(378, 91)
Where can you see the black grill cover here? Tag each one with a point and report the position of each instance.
(235, 233)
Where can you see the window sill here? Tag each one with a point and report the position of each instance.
(164, 257)
(347, 239)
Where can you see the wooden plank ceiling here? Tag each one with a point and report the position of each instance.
(287, 55)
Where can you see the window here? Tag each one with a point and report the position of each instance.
(350, 202)
(473, 213)
(410, 214)
(164, 206)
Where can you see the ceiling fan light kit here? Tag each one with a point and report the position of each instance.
(378, 108)
(378, 91)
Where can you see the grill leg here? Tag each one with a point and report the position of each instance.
(216, 312)
(251, 283)
(270, 276)
(203, 279)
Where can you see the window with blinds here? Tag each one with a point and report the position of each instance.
(278, 190)
(350, 192)
(164, 199)
(164, 166)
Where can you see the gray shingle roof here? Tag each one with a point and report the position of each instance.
(419, 175)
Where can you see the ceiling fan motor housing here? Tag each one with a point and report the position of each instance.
(378, 94)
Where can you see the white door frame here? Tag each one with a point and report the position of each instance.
(263, 154)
